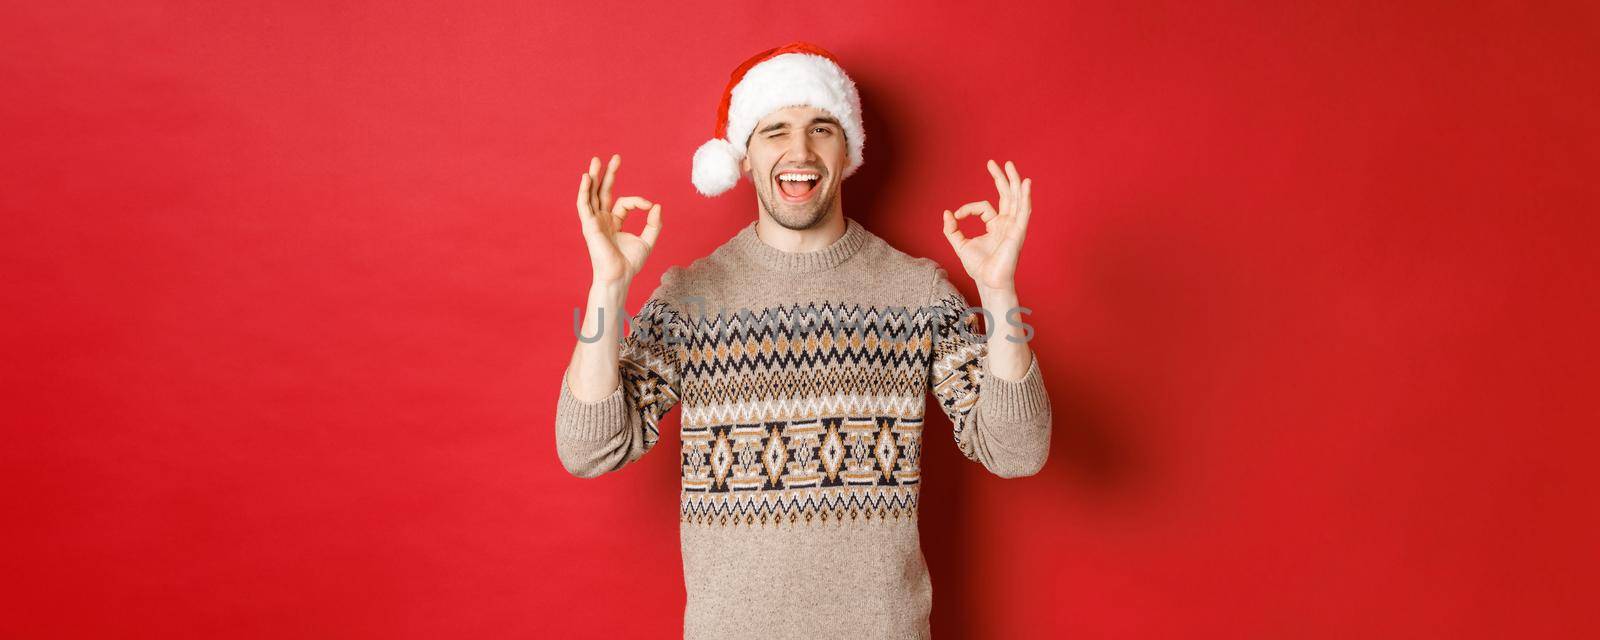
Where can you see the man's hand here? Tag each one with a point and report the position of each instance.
(991, 259)
(616, 255)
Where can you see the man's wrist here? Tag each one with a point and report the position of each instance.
(611, 289)
(1007, 293)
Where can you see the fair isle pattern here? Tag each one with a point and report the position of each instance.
(838, 505)
(649, 368)
(806, 413)
(957, 371)
(806, 361)
(829, 452)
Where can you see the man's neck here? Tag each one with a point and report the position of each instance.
(783, 238)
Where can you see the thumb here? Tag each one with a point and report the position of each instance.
(952, 231)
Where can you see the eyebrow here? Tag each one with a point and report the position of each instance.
(784, 125)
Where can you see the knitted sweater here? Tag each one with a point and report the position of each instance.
(802, 379)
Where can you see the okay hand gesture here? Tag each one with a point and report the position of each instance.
(991, 259)
(616, 255)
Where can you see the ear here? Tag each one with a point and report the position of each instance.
(744, 164)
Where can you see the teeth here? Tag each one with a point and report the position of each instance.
(798, 177)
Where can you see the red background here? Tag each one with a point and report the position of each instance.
(289, 289)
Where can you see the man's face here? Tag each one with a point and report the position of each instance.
(796, 159)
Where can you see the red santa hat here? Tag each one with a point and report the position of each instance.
(795, 74)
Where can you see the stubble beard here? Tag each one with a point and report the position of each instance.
(788, 216)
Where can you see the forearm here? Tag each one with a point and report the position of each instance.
(1009, 353)
(1011, 434)
(592, 372)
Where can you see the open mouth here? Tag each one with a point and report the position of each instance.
(798, 185)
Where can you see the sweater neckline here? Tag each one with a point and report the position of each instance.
(749, 243)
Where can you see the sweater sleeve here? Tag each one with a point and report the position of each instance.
(598, 437)
(1003, 424)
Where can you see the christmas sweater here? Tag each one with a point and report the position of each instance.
(801, 379)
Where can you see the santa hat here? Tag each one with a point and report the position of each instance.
(795, 74)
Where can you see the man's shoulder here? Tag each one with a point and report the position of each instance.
(917, 272)
(700, 278)
(707, 268)
(916, 279)
(884, 256)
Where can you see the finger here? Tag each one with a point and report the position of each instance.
(584, 211)
(981, 207)
(1016, 186)
(1001, 185)
(652, 226)
(610, 179)
(1019, 226)
(594, 185)
(994, 170)
(985, 210)
(952, 230)
(623, 204)
(1026, 202)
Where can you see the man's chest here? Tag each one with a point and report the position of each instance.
(805, 360)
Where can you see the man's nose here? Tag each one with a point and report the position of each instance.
(800, 147)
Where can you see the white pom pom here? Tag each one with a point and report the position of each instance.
(716, 167)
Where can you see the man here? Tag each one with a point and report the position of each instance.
(803, 398)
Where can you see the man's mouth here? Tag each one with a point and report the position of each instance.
(797, 185)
